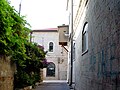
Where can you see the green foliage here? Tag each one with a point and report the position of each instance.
(28, 72)
(13, 32)
(14, 42)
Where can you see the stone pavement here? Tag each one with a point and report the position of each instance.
(53, 85)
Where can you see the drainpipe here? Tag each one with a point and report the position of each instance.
(71, 66)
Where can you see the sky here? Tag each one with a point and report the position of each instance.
(41, 14)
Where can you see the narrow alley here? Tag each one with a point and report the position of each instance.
(53, 85)
(59, 44)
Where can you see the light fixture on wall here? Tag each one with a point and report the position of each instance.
(20, 7)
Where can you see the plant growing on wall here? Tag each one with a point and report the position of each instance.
(14, 35)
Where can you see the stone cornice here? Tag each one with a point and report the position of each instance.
(79, 13)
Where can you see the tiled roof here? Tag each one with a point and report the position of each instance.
(45, 30)
(51, 29)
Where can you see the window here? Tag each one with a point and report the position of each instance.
(51, 69)
(85, 38)
(51, 47)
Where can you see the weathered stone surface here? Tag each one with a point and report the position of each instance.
(6, 73)
(99, 68)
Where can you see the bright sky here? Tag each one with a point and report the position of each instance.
(42, 14)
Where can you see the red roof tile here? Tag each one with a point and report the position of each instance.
(45, 30)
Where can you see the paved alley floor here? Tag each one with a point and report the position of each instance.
(53, 85)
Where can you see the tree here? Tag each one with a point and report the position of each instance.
(14, 35)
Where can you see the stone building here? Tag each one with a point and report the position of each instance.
(96, 32)
(56, 55)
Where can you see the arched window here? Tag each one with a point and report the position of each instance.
(85, 38)
(51, 47)
(50, 69)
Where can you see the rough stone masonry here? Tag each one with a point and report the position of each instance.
(99, 68)
(7, 70)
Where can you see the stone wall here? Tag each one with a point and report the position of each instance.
(6, 73)
(99, 68)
